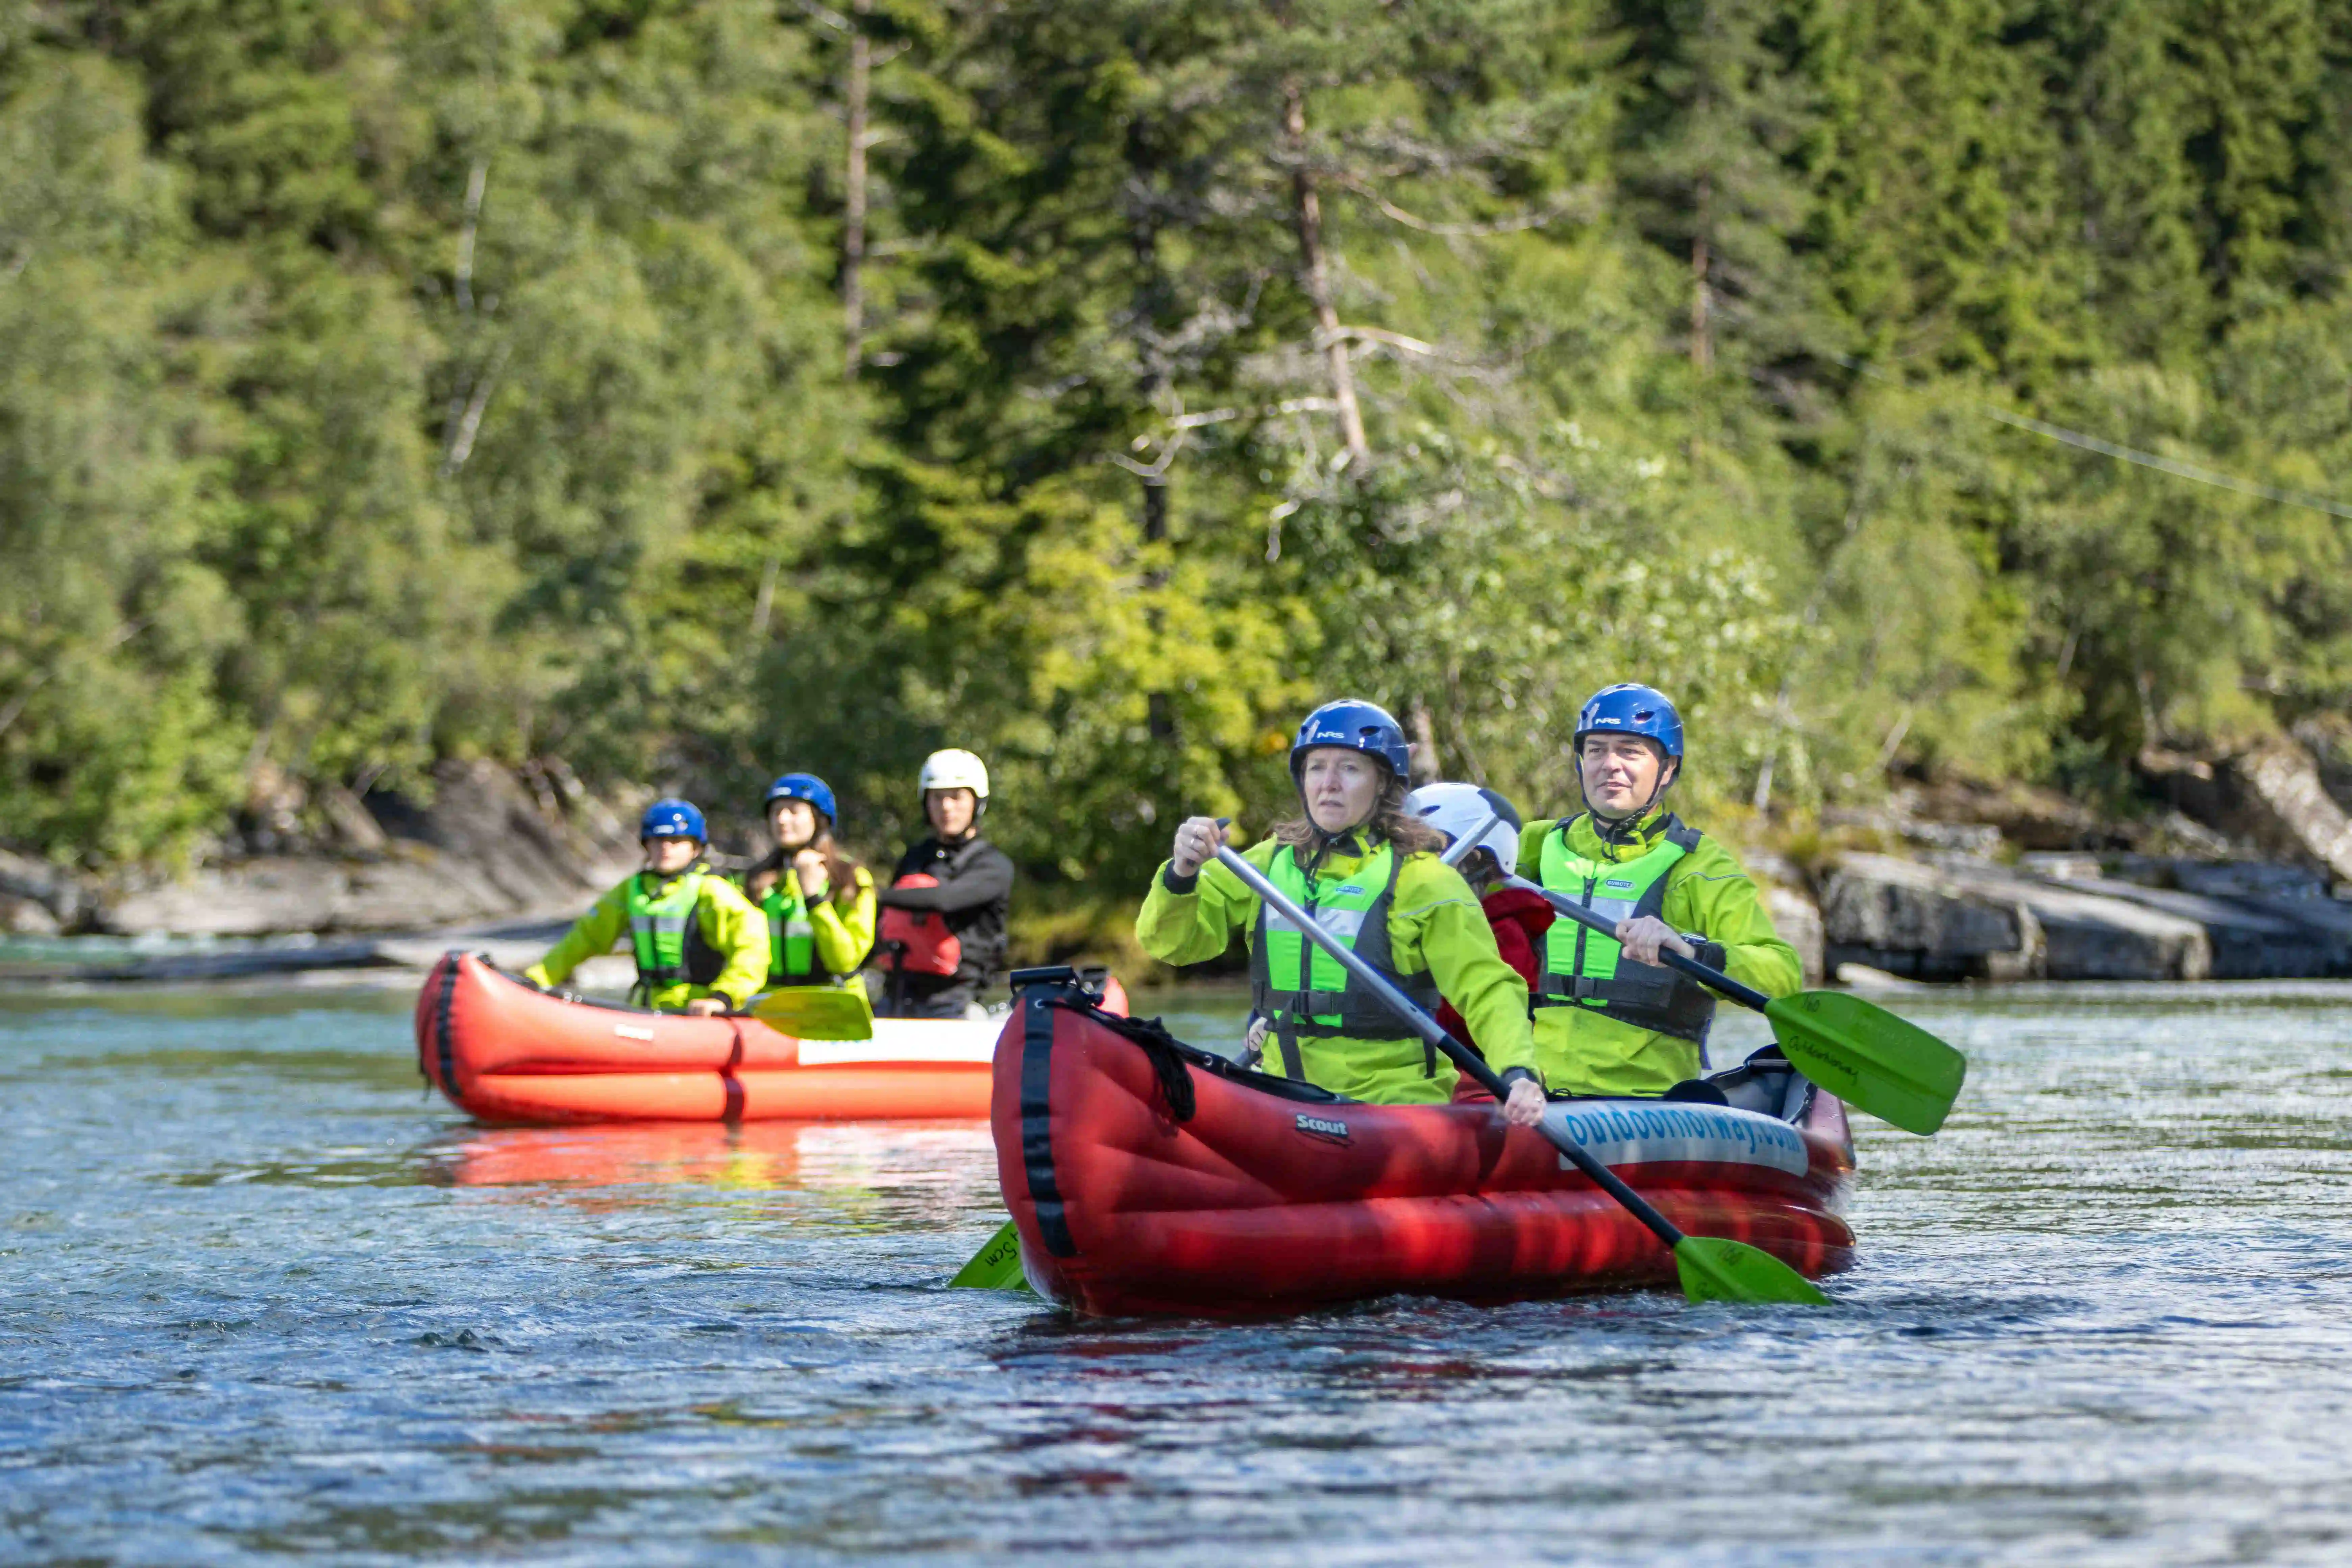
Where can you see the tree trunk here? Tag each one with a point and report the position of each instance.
(1160, 709)
(1425, 768)
(1702, 344)
(1317, 269)
(852, 216)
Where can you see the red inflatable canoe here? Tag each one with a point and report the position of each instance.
(1146, 1176)
(509, 1052)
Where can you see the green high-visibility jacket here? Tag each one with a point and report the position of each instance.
(823, 938)
(1583, 1051)
(730, 927)
(1435, 928)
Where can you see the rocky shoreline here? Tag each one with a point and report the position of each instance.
(2245, 877)
(486, 862)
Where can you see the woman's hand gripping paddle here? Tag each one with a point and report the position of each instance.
(1713, 1268)
(1860, 1052)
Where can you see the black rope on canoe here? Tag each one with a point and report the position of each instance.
(1175, 1062)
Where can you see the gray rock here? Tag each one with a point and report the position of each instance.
(1799, 921)
(2245, 942)
(1962, 919)
(483, 849)
(25, 917)
(1912, 919)
(58, 893)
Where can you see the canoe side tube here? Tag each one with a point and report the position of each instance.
(1140, 1188)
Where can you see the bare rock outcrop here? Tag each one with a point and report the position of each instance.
(484, 848)
(1959, 921)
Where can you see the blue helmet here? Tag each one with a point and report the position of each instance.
(673, 819)
(1627, 709)
(807, 787)
(1359, 726)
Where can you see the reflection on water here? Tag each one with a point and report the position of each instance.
(265, 1299)
(771, 1155)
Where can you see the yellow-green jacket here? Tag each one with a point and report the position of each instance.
(1581, 1052)
(731, 926)
(1435, 928)
(844, 933)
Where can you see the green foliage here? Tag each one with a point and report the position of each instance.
(392, 382)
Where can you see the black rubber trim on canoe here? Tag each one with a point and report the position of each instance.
(1037, 1121)
(733, 1113)
(443, 1007)
(1153, 1036)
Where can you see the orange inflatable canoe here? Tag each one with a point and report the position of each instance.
(509, 1053)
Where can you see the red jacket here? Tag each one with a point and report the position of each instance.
(1519, 918)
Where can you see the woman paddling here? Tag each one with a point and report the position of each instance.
(1365, 870)
(819, 902)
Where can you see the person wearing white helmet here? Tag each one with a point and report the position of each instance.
(944, 913)
(1519, 917)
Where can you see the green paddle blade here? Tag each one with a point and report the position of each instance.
(1716, 1270)
(1869, 1058)
(996, 1267)
(817, 1012)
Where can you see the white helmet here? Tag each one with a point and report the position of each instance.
(956, 769)
(1457, 810)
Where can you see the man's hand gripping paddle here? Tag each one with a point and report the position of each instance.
(1860, 1052)
(1713, 1268)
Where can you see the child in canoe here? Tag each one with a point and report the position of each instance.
(1517, 917)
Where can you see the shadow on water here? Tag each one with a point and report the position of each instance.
(265, 1299)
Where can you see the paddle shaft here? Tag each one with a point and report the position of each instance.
(1429, 1029)
(1746, 996)
(1459, 850)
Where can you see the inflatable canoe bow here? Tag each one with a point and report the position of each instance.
(1147, 1176)
(510, 1053)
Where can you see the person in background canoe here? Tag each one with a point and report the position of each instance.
(1609, 1018)
(1369, 872)
(819, 902)
(701, 946)
(1518, 916)
(944, 913)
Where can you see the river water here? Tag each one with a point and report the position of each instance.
(259, 1299)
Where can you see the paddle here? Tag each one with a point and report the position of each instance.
(818, 1012)
(1459, 850)
(1857, 1051)
(997, 1265)
(1712, 1268)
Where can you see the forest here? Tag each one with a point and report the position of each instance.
(652, 394)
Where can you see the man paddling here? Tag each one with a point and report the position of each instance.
(1368, 870)
(701, 946)
(1609, 1018)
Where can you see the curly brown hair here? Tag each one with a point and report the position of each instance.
(1389, 822)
